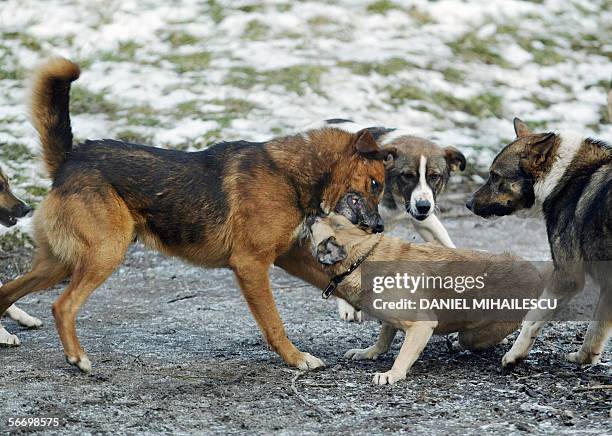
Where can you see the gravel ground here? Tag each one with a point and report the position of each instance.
(175, 349)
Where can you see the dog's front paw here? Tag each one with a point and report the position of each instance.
(22, 318)
(582, 358)
(352, 316)
(348, 313)
(369, 353)
(82, 362)
(512, 358)
(388, 378)
(308, 362)
(7, 339)
(28, 321)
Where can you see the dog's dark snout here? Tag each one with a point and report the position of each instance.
(310, 220)
(22, 210)
(470, 203)
(423, 206)
(379, 225)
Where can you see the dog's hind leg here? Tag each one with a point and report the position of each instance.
(109, 236)
(382, 345)
(89, 273)
(597, 334)
(252, 275)
(417, 336)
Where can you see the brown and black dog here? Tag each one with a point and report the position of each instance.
(239, 205)
(567, 178)
(11, 209)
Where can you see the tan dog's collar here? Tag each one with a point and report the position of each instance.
(337, 279)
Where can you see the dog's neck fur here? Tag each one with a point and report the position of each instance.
(316, 164)
(569, 144)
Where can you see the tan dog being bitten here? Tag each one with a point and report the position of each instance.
(338, 244)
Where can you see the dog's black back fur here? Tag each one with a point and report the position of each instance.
(578, 212)
(179, 193)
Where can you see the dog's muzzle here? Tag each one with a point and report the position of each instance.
(420, 211)
(379, 224)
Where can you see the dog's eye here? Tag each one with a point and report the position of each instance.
(434, 177)
(375, 185)
(408, 176)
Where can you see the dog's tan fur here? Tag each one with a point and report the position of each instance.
(473, 335)
(106, 193)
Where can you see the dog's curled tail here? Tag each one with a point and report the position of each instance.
(50, 111)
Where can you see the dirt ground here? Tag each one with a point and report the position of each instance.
(175, 349)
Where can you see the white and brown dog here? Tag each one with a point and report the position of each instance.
(418, 176)
(11, 209)
(568, 179)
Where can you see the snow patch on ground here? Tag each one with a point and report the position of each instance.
(192, 73)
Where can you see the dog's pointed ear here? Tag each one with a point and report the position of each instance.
(454, 158)
(365, 143)
(539, 151)
(390, 154)
(520, 128)
(330, 252)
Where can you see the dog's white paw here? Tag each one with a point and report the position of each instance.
(309, 362)
(388, 378)
(512, 358)
(7, 339)
(348, 313)
(583, 358)
(369, 353)
(82, 362)
(353, 316)
(23, 318)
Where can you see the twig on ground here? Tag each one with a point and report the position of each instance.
(592, 388)
(539, 374)
(186, 297)
(304, 400)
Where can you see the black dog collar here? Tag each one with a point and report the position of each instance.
(336, 280)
